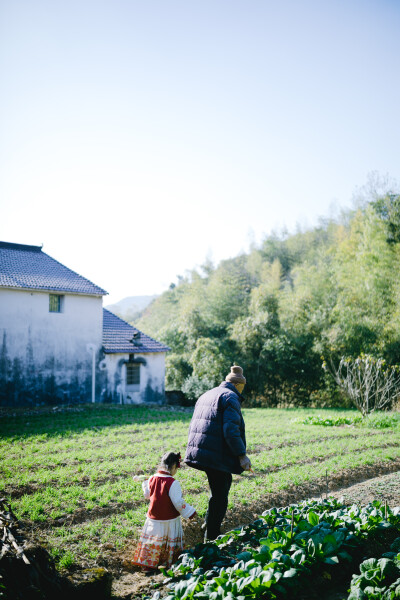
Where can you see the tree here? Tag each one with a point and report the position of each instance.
(368, 382)
(366, 269)
(250, 334)
(228, 292)
(388, 209)
(333, 290)
(211, 360)
(292, 368)
(177, 370)
(194, 386)
(274, 248)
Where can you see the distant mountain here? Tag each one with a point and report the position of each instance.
(130, 308)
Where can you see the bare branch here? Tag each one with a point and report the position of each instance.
(368, 382)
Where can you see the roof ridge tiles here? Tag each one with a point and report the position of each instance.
(71, 271)
(23, 247)
(117, 337)
(29, 268)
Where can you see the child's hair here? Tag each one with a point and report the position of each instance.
(170, 459)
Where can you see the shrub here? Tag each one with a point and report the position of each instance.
(194, 386)
(368, 382)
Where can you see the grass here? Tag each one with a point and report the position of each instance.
(68, 474)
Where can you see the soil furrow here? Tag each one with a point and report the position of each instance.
(252, 449)
(320, 459)
(258, 448)
(315, 488)
(244, 513)
(15, 492)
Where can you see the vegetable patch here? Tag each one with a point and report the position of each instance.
(273, 556)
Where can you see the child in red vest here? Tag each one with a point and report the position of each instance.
(161, 541)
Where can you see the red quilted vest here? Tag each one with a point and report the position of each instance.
(161, 507)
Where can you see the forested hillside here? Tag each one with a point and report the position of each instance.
(286, 306)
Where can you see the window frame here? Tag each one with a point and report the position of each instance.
(56, 303)
(132, 374)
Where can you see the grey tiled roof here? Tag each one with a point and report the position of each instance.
(119, 336)
(27, 267)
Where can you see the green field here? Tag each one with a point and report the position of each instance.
(68, 474)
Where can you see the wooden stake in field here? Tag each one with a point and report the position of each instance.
(327, 483)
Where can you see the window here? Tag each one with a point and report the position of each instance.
(55, 303)
(132, 374)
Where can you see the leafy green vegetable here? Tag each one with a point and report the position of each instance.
(376, 580)
(272, 556)
(331, 421)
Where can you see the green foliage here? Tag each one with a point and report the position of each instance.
(64, 559)
(388, 210)
(273, 556)
(210, 360)
(178, 369)
(194, 386)
(228, 291)
(330, 291)
(379, 579)
(381, 421)
(330, 421)
(376, 421)
(366, 269)
(62, 467)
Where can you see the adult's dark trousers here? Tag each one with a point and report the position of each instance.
(220, 484)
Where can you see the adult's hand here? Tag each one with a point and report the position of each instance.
(245, 462)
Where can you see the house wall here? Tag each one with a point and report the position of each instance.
(152, 379)
(43, 355)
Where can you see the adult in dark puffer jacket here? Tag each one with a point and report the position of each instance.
(217, 443)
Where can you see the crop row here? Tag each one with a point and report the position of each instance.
(81, 449)
(274, 556)
(89, 443)
(113, 467)
(87, 483)
(65, 497)
(142, 446)
(80, 470)
(101, 423)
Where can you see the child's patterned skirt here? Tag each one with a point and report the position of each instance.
(160, 543)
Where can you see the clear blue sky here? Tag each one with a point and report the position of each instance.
(138, 137)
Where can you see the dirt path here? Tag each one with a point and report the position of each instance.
(386, 487)
(355, 486)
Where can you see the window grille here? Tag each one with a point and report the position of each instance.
(55, 303)
(132, 374)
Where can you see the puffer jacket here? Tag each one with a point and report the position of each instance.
(217, 431)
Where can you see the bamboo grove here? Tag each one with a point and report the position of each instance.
(286, 307)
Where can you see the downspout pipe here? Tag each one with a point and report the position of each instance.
(91, 348)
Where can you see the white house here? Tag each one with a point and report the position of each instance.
(133, 361)
(57, 343)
